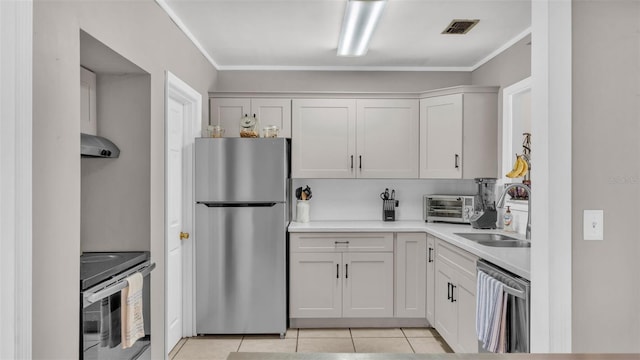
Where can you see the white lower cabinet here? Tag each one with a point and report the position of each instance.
(315, 285)
(455, 297)
(337, 280)
(411, 271)
(367, 285)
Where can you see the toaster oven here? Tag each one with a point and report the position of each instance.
(448, 208)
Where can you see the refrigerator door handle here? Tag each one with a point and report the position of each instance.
(237, 204)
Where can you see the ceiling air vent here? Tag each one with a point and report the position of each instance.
(458, 26)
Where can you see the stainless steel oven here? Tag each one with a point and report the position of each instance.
(103, 276)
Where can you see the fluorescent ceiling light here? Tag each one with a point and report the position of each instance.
(360, 19)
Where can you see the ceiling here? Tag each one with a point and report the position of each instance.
(303, 34)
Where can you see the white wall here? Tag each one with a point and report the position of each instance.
(142, 33)
(359, 199)
(606, 173)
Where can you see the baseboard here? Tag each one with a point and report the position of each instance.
(303, 323)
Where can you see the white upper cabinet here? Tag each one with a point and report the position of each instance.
(275, 112)
(459, 133)
(441, 137)
(227, 113)
(387, 141)
(323, 138)
(347, 138)
(88, 109)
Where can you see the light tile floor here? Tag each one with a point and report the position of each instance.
(405, 340)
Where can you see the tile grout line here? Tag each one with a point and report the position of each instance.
(353, 342)
(240, 344)
(407, 339)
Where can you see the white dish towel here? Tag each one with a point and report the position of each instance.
(131, 307)
(489, 311)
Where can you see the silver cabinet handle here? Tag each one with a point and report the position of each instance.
(456, 161)
(429, 258)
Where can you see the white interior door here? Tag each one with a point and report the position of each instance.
(183, 117)
(176, 119)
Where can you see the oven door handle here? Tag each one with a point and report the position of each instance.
(92, 297)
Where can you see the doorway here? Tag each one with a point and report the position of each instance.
(183, 119)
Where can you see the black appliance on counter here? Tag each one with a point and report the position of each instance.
(102, 277)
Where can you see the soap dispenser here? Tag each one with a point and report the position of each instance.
(508, 220)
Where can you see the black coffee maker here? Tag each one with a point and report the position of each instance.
(485, 214)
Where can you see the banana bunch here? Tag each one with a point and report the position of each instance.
(520, 168)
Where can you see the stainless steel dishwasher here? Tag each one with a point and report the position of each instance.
(518, 291)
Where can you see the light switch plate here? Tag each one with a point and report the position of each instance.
(593, 225)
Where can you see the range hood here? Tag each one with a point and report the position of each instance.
(97, 146)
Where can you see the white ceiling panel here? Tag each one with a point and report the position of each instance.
(303, 34)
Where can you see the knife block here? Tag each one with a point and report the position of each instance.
(389, 209)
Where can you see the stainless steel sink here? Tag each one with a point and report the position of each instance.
(494, 239)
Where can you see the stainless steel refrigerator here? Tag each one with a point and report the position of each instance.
(241, 188)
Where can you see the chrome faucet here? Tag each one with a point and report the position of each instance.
(528, 190)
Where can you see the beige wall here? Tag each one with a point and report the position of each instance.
(141, 32)
(348, 81)
(115, 212)
(606, 140)
(508, 68)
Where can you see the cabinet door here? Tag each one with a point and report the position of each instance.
(446, 321)
(227, 113)
(431, 279)
(273, 112)
(368, 285)
(411, 266)
(441, 137)
(387, 140)
(315, 285)
(465, 296)
(323, 138)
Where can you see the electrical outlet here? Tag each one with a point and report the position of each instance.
(593, 225)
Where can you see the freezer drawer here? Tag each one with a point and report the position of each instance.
(240, 269)
(241, 170)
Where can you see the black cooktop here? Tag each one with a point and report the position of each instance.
(96, 267)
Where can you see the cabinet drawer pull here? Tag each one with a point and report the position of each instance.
(360, 157)
(337, 271)
(456, 161)
(452, 290)
(341, 242)
(351, 161)
(448, 291)
(429, 258)
(346, 271)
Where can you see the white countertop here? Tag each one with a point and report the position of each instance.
(516, 260)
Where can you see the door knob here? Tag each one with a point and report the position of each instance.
(184, 235)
